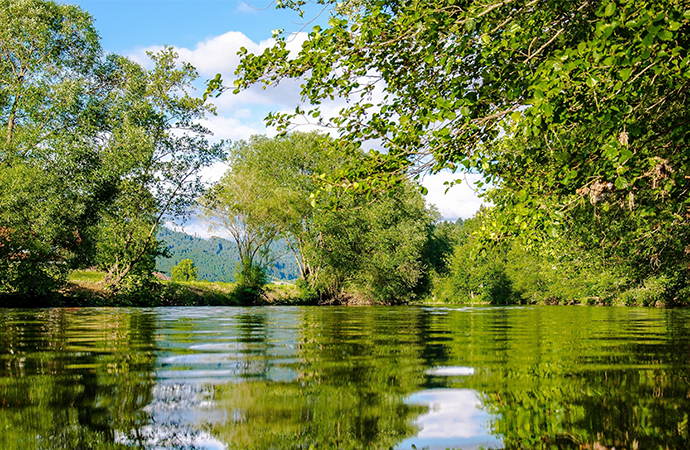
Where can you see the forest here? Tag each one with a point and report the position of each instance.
(216, 258)
(574, 113)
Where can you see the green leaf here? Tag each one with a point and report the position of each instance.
(665, 35)
(610, 9)
(648, 40)
(624, 74)
(621, 183)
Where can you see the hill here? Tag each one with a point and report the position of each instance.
(217, 258)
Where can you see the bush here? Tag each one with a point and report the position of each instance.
(184, 271)
(251, 279)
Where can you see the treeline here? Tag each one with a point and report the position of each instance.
(216, 258)
(554, 270)
(584, 142)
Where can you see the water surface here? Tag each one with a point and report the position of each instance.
(344, 378)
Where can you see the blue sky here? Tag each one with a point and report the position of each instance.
(125, 25)
(208, 34)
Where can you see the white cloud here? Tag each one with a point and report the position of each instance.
(241, 115)
(218, 54)
(461, 200)
(226, 127)
(194, 226)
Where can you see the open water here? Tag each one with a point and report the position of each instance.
(345, 378)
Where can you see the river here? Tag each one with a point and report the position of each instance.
(345, 378)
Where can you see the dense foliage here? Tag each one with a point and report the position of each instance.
(51, 176)
(556, 271)
(574, 111)
(185, 270)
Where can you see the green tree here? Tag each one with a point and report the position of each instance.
(573, 110)
(52, 178)
(157, 150)
(371, 247)
(375, 249)
(284, 173)
(47, 49)
(240, 207)
(185, 270)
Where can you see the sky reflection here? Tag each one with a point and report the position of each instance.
(455, 418)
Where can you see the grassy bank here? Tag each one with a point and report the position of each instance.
(86, 288)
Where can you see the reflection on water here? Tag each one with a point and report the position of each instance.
(455, 419)
(345, 378)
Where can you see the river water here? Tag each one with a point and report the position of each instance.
(345, 378)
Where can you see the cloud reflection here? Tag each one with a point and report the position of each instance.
(455, 419)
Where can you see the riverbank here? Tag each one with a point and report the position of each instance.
(85, 288)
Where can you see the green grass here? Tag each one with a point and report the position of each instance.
(86, 288)
(86, 276)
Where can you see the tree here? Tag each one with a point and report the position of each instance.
(47, 51)
(368, 246)
(52, 180)
(157, 148)
(376, 248)
(573, 110)
(283, 173)
(240, 206)
(185, 270)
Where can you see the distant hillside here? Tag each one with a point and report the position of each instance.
(217, 258)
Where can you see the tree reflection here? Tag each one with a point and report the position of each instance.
(73, 379)
(355, 368)
(606, 381)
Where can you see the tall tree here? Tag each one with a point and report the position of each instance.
(284, 172)
(46, 52)
(51, 178)
(240, 206)
(157, 148)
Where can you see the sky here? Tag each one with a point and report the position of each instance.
(208, 34)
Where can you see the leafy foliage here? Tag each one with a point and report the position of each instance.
(185, 270)
(160, 150)
(367, 247)
(95, 152)
(51, 177)
(574, 111)
(555, 272)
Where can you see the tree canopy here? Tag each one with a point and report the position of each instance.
(185, 270)
(574, 111)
